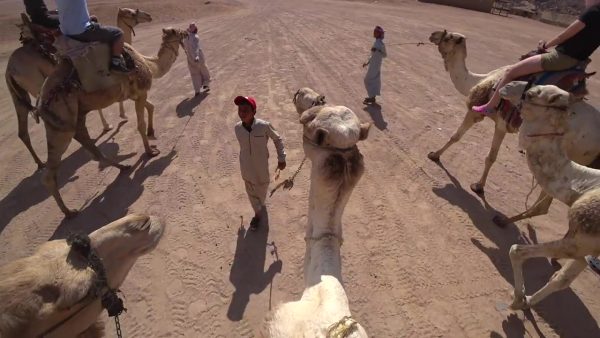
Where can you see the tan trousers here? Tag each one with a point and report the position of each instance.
(199, 73)
(257, 194)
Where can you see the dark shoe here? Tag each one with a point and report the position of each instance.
(254, 223)
(204, 89)
(369, 100)
(118, 65)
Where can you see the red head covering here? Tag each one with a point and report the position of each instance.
(378, 32)
(245, 99)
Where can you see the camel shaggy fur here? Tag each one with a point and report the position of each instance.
(547, 118)
(330, 137)
(306, 98)
(54, 292)
(583, 144)
(63, 106)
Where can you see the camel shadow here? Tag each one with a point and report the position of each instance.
(375, 111)
(30, 191)
(117, 197)
(186, 107)
(247, 271)
(578, 321)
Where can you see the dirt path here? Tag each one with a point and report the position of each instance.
(421, 257)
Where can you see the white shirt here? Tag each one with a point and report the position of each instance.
(73, 16)
(254, 155)
(192, 46)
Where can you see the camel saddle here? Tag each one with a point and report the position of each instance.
(91, 61)
(572, 80)
(42, 37)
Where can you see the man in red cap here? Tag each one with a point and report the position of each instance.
(253, 134)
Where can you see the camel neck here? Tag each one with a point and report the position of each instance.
(161, 64)
(461, 77)
(127, 30)
(555, 172)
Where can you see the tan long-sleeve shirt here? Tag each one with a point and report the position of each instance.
(254, 154)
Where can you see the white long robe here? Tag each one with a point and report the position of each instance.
(373, 75)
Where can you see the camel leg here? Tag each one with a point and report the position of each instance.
(57, 142)
(139, 111)
(540, 207)
(82, 136)
(564, 248)
(24, 135)
(122, 111)
(560, 280)
(150, 109)
(466, 124)
(489, 160)
(105, 124)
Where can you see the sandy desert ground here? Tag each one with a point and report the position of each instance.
(421, 257)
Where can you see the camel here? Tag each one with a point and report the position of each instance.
(546, 113)
(28, 67)
(127, 19)
(306, 98)
(63, 106)
(330, 136)
(583, 145)
(57, 291)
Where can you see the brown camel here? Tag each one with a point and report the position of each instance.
(583, 146)
(28, 66)
(127, 19)
(63, 105)
(547, 112)
(57, 291)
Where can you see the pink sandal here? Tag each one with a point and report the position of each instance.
(483, 110)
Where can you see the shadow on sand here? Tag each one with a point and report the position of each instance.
(375, 111)
(562, 310)
(247, 271)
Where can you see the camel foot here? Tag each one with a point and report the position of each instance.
(500, 220)
(520, 303)
(70, 213)
(123, 117)
(152, 151)
(477, 188)
(433, 156)
(108, 127)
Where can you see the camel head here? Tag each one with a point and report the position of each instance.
(448, 44)
(306, 98)
(55, 292)
(333, 127)
(173, 35)
(132, 17)
(539, 101)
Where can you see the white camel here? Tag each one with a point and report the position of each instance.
(547, 118)
(57, 291)
(330, 137)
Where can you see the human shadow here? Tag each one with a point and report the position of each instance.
(247, 271)
(30, 191)
(186, 107)
(117, 197)
(375, 111)
(578, 321)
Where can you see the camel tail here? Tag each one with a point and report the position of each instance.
(19, 95)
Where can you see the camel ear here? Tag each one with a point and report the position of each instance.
(320, 136)
(364, 131)
(321, 99)
(309, 115)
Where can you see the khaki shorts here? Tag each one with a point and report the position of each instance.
(555, 61)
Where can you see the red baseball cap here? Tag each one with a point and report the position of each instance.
(245, 99)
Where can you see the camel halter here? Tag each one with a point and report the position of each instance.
(100, 289)
(326, 235)
(342, 328)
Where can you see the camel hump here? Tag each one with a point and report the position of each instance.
(91, 61)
